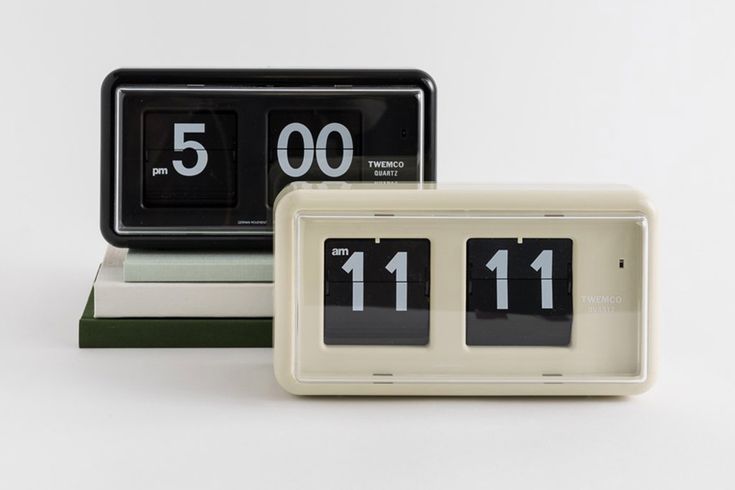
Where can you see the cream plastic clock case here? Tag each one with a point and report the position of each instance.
(410, 289)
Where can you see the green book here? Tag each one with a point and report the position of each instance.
(172, 332)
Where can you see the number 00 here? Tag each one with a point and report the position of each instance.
(310, 150)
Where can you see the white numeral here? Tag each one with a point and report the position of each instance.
(355, 266)
(321, 149)
(181, 144)
(499, 264)
(399, 265)
(544, 262)
(282, 151)
(309, 150)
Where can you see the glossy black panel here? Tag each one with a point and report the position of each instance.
(378, 125)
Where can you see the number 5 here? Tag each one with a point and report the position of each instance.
(181, 144)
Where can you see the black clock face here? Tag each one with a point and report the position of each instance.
(376, 292)
(189, 159)
(216, 159)
(519, 292)
(314, 145)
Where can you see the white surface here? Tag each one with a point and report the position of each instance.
(115, 298)
(637, 92)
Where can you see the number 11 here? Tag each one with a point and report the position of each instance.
(543, 262)
(398, 265)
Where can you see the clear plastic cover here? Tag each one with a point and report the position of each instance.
(469, 297)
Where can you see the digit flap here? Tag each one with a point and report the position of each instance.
(219, 132)
(377, 254)
(376, 292)
(521, 257)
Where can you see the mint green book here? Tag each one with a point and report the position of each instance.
(172, 332)
(196, 266)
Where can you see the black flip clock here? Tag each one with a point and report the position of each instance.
(196, 158)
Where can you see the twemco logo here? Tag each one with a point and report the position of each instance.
(602, 303)
(602, 300)
(386, 164)
(386, 168)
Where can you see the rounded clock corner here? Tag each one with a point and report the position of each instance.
(426, 81)
(287, 381)
(112, 80)
(641, 202)
(111, 237)
(646, 384)
(639, 388)
(287, 199)
(646, 207)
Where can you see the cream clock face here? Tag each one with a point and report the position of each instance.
(450, 291)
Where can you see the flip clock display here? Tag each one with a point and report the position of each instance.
(196, 158)
(366, 281)
(405, 289)
(519, 291)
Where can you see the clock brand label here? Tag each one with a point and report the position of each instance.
(602, 303)
(609, 300)
(386, 168)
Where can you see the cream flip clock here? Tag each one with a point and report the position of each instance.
(423, 289)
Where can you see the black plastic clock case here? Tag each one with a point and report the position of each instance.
(215, 200)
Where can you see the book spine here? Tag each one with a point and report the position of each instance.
(181, 300)
(134, 333)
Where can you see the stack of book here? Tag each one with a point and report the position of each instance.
(180, 299)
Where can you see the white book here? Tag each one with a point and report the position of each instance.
(115, 298)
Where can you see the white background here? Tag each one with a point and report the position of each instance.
(636, 92)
